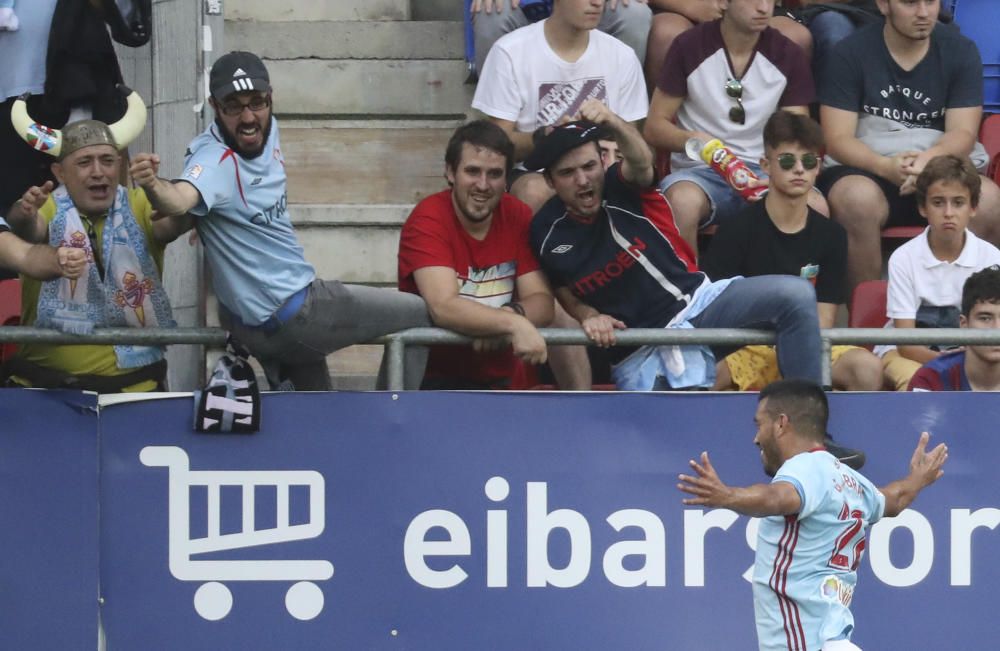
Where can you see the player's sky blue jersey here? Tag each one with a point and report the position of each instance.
(242, 219)
(806, 564)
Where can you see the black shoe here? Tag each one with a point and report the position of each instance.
(850, 458)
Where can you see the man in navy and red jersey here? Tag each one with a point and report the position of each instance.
(610, 246)
(465, 251)
(976, 368)
(725, 79)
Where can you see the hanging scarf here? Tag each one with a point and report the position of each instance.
(130, 294)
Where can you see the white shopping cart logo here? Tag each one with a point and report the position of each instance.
(213, 600)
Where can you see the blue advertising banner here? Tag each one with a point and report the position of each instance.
(510, 521)
(48, 520)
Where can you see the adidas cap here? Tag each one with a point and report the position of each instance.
(236, 72)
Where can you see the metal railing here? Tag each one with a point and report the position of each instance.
(396, 343)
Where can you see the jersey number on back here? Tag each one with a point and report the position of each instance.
(850, 545)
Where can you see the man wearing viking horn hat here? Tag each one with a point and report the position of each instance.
(113, 227)
(234, 184)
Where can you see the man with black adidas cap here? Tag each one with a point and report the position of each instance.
(609, 244)
(269, 297)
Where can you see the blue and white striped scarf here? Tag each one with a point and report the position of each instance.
(130, 294)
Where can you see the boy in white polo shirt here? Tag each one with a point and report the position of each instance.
(927, 273)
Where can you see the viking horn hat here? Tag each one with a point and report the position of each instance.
(74, 136)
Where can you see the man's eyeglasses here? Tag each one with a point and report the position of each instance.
(738, 114)
(787, 161)
(256, 104)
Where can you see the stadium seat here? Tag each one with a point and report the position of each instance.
(978, 20)
(10, 312)
(867, 308)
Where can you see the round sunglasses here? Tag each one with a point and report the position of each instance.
(787, 161)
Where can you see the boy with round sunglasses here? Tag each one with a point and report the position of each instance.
(783, 235)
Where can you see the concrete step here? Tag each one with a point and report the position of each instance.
(392, 87)
(290, 10)
(439, 9)
(348, 39)
(351, 242)
(386, 163)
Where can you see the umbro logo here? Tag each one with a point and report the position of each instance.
(562, 248)
(256, 181)
(239, 73)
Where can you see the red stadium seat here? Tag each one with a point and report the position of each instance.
(901, 232)
(867, 308)
(10, 312)
(989, 135)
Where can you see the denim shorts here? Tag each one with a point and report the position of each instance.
(724, 200)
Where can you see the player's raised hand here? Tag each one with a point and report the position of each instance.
(144, 169)
(926, 466)
(707, 488)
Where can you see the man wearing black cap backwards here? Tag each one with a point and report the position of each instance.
(269, 297)
(611, 248)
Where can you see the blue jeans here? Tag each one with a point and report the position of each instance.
(785, 304)
(725, 202)
(828, 28)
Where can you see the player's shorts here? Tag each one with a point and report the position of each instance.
(840, 645)
(754, 367)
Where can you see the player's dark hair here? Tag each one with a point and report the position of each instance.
(802, 401)
(981, 287)
(949, 168)
(785, 127)
(479, 133)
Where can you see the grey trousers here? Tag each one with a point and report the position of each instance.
(334, 316)
(629, 24)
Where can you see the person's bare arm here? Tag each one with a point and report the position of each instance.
(839, 128)
(925, 469)
(759, 500)
(961, 129)
(536, 298)
(23, 217)
(40, 261)
(171, 200)
(920, 354)
(637, 162)
(448, 309)
(697, 11)
(827, 314)
(660, 131)
(600, 328)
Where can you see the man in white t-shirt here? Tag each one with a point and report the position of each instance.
(627, 20)
(541, 74)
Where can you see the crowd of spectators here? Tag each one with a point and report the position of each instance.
(557, 212)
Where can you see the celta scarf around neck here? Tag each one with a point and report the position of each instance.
(130, 294)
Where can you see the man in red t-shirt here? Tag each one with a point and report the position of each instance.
(466, 252)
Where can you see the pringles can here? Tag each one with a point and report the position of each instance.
(727, 165)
